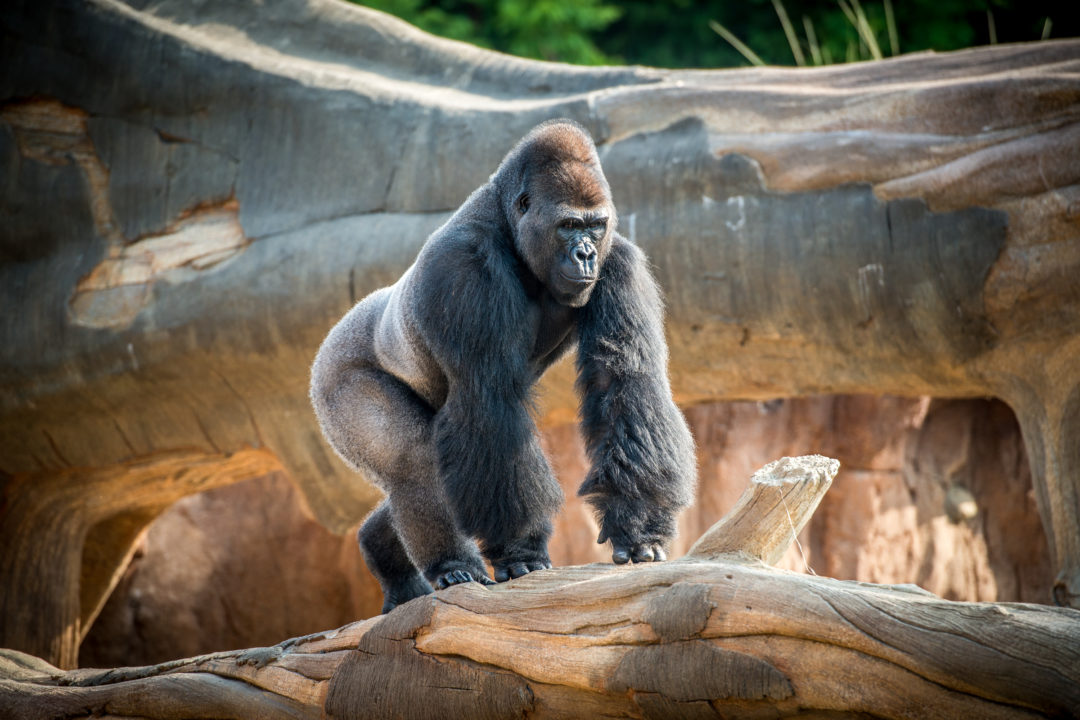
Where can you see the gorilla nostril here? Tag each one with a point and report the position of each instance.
(583, 253)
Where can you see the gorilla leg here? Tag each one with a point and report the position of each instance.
(495, 475)
(388, 561)
(381, 427)
(420, 514)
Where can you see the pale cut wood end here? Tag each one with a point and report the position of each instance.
(768, 517)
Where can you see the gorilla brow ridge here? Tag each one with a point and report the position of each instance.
(576, 182)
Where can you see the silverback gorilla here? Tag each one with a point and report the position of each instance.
(425, 386)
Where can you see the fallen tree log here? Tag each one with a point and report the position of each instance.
(717, 633)
(195, 193)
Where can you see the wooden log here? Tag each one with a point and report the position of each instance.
(715, 634)
(782, 498)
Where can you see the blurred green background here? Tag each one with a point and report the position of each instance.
(688, 33)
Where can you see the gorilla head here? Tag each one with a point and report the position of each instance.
(559, 207)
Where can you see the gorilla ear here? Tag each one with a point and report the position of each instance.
(523, 203)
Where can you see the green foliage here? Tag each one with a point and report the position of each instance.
(543, 29)
(677, 33)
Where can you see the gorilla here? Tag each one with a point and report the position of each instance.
(426, 386)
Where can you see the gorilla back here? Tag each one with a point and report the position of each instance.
(425, 386)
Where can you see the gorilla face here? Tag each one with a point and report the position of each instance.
(577, 270)
(564, 230)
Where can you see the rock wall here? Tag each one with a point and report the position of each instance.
(246, 565)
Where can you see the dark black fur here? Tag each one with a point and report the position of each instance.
(641, 452)
(426, 385)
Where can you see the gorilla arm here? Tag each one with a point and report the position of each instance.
(643, 462)
(480, 327)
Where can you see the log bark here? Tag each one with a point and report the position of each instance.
(715, 634)
(194, 194)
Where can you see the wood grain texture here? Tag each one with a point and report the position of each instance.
(762, 525)
(718, 637)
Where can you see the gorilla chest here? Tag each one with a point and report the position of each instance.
(553, 326)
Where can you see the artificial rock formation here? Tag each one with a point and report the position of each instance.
(194, 193)
(715, 634)
(197, 583)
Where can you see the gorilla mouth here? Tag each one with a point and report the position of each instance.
(580, 280)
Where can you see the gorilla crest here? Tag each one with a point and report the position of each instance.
(425, 386)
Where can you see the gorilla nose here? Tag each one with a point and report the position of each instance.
(583, 253)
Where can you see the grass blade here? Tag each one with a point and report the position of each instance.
(890, 23)
(849, 13)
(736, 43)
(863, 27)
(811, 39)
(852, 54)
(789, 31)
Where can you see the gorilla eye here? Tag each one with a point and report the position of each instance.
(523, 203)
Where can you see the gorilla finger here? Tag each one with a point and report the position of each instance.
(533, 566)
(603, 537)
(454, 577)
(501, 574)
(484, 580)
(658, 554)
(518, 569)
(620, 555)
(643, 553)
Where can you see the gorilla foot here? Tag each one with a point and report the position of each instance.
(455, 572)
(642, 552)
(404, 591)
(457, 577)
(510, 569)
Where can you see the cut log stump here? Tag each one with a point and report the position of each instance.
(717, 633)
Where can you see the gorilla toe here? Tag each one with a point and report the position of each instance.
(508, 571)
(644, 552)
(457, 577)
(454, 577)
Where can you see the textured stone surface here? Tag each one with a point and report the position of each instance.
(245, 565)
(239, 567)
